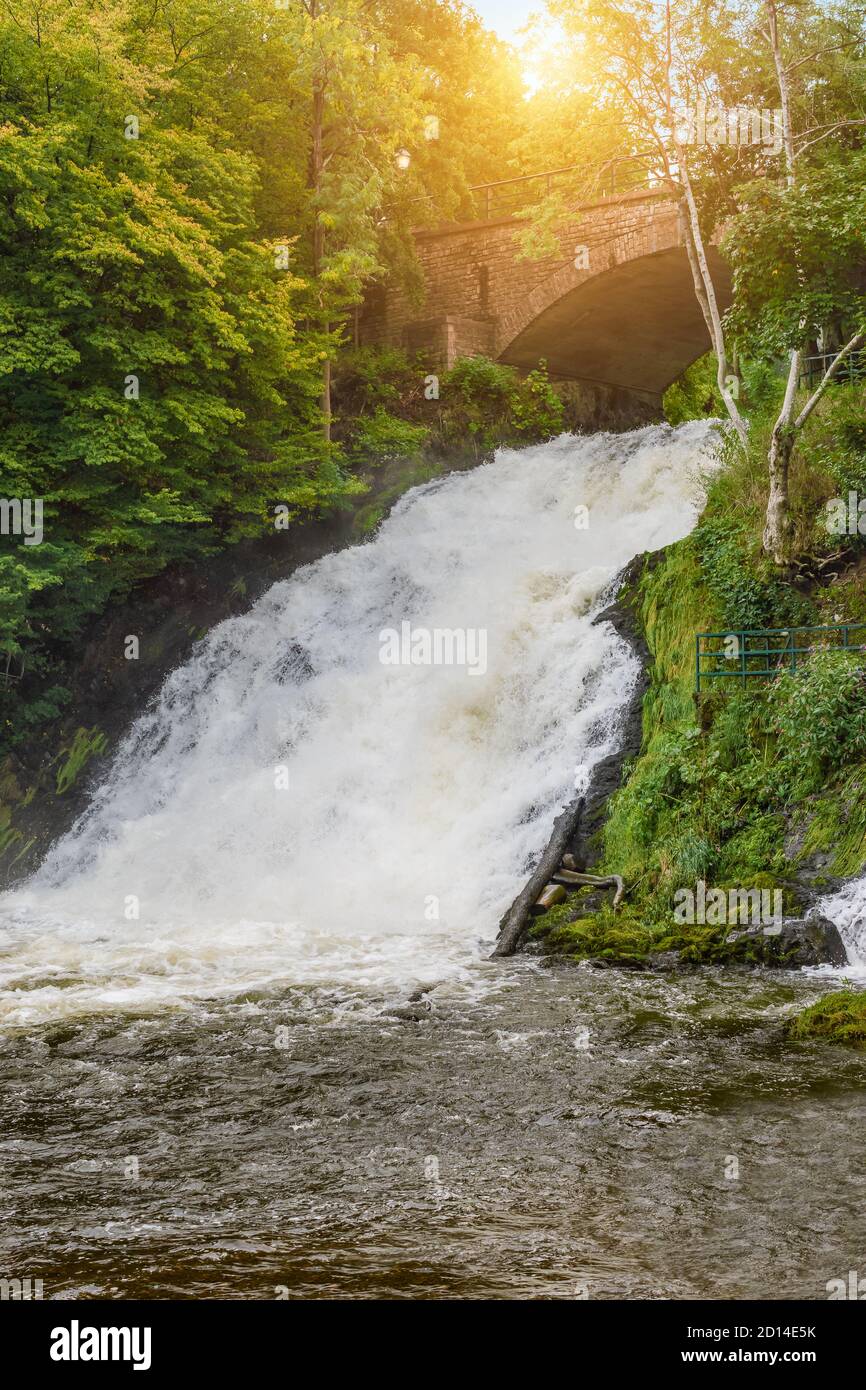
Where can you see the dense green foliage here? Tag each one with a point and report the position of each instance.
(152, 388)
(723, 778)
(740, 787)
(193, 196)
(793, 251)
(491, 404)
(384, 409)
(821, 718)
(694, 394)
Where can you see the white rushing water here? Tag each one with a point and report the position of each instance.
(847, 908)
(292, 811)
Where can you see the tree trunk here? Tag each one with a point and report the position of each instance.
(777, 530)
(706, 296)
(513, 924)
(317, 164)
(326, 399)
(690, 221)
(784, 92)
(777, 527)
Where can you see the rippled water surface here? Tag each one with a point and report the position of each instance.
(570, 1130)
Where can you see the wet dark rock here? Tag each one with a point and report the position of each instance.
(815, 941)
(607, 775)
(665, 960)
(810, 940)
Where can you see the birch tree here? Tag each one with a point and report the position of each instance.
(657, 63)
(790, 421)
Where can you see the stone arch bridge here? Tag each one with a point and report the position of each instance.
(613, 307)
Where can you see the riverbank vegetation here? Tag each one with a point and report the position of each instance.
(756, 784)
(840, 1017)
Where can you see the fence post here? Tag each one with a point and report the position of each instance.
(698, 663)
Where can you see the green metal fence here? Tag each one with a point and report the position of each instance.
(751, 653)
(813, 369)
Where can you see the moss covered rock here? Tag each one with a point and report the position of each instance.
(838, 1018)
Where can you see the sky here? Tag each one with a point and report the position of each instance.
(506, 16)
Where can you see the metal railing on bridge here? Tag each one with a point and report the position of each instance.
(509, 197)
(754, 653)
(624, 174)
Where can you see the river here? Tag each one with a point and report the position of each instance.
(212, 1086)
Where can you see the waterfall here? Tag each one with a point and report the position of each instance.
(847, 908)
(294, 811)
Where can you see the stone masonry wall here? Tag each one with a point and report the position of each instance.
(480, 292)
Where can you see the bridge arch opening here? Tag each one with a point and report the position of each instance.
(636, 326)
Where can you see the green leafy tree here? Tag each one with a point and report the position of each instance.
(154, 390)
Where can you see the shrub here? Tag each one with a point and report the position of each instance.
(537, 409)
(493, 405)
(821, 716)
(371, 377)
(748, 593)
(380, 437)
(839, 436)
(694, 395)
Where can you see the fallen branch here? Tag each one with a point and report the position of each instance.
(513, 924)
(611, 881)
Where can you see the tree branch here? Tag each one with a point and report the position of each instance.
(854, 343)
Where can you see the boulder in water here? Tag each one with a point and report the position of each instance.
(814, 939)
(810, 940)
(412, 1013)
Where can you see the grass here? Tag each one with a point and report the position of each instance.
(740, 787)
(87, 744)
(837, 1018)
(626, 938)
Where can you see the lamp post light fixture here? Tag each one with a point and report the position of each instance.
(403, 158)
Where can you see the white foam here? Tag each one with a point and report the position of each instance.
(847, 909)
(406, 784)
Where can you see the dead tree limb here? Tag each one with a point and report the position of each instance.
(593, 880)
(513, 924)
